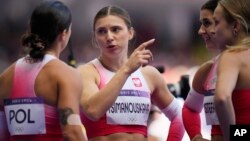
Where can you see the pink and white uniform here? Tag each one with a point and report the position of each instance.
(28, 118)
(130, 111)
(209, 108)
(191, 111)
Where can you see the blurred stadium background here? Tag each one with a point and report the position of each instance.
(174, 24)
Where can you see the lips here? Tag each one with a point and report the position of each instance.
(206, 38)
(111, 46)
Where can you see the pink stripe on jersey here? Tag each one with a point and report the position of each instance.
(23, 86)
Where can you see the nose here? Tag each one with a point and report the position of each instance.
(109, 37)
(201, 30)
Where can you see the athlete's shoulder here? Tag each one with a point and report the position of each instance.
(201, 76)
(6, 78)
(149, 70)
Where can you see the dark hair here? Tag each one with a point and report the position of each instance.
(210, 5)
(113, 10)
(49, 19)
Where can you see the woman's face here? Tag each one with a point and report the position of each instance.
(223, 30)
(112, 35)
(207, 28)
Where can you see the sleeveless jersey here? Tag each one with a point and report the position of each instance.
(129, 113)
(209, 108)
(28, 118)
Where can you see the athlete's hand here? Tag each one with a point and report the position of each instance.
(140, 56)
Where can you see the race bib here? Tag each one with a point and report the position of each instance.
(130, 108)
(25, 116)
(209, 109)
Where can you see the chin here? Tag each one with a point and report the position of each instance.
(210, 46)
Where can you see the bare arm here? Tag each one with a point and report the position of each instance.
(6, 82)
(227, 76)
(162, 98)
(193, 104)
(95, 102)
(69, 91)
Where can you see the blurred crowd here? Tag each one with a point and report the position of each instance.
(173, 23)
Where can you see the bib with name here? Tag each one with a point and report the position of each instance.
(25, 116)
(209, 108)
(132, 106)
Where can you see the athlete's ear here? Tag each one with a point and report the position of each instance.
(236, 27)
(131, 33)
(64, 34)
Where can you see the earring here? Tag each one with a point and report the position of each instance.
(235, 33)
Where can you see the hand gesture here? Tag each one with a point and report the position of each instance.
(140, 56)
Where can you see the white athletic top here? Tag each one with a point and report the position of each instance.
(133, 105)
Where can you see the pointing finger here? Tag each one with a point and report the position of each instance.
(146, 44)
